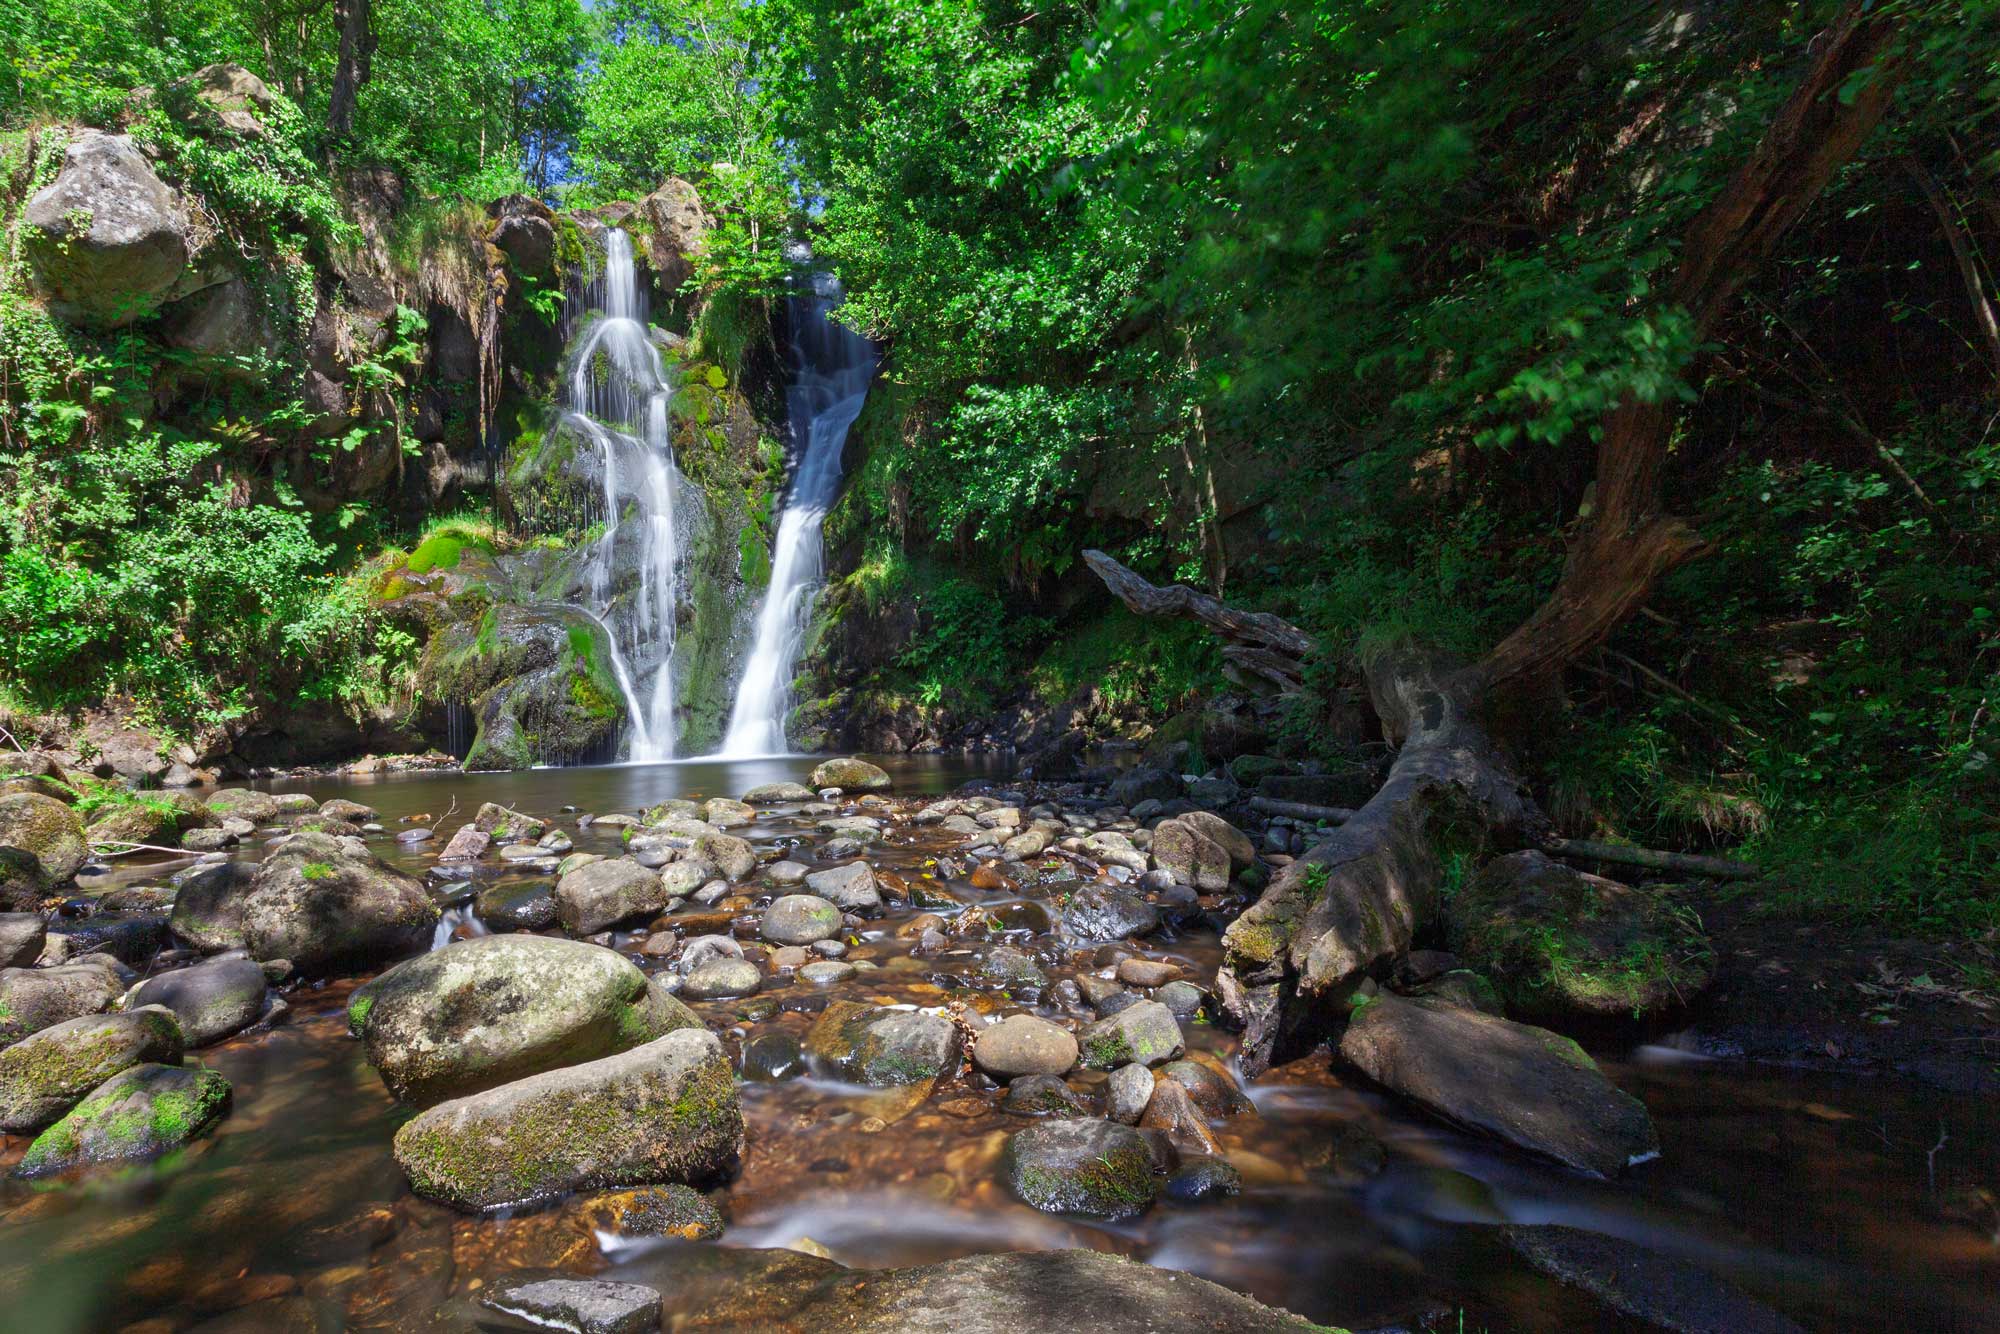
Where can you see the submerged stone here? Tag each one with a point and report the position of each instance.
(582, 1306)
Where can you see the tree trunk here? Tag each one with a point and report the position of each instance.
(351, 64)
(1627, 544)
(1258, 645)
(1356, 900)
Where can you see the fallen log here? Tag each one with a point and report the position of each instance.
(1718, 868)
(1301, 810)
(1353, 903)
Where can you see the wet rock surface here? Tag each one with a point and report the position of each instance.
(139, 1113)
(42, 1077)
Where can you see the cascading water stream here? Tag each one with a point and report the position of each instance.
(832, 367)
(618, 399)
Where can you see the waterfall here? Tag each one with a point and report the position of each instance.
(831, 368)
(617, 401)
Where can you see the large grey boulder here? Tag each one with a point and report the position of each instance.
(727, 854)
(1103, 912)
(136, 1114)
(598, 896)
(43, 1076)
(32, 999)
(586, 1306)
(677, 228)
(483, 1012)
(208, 910)
(107, 239)
(42, 846)
(664, 1112)
(212, 999)
(1191, 856)
(1527, 1086)
(524, 229)
(1093, 1167)
(771, 793)
(225, 97)
(327, 905)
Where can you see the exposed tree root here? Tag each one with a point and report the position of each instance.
(1353, 904)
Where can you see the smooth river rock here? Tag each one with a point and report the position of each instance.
(881, 1045)
(800, 919)
(850, 775)
(1525, 1085)
(482, 1012)
(596, 897)
(1022, 1044)
(850, 887)
(32, 999)
(1143, 1033)
(660, 1113)
(212, 999)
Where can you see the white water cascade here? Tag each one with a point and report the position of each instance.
(831, 366)
(618, 396)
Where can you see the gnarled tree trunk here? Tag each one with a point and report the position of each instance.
(1628, 543)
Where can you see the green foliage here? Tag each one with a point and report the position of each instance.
(953, 657)
(1131, 663)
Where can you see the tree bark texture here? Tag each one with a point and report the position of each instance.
(355, 20)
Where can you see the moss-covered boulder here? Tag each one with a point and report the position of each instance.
(882, 1046)
(851, 775)
(42, 846)
(33, 771)
(137, 1114)
(245, 803)
(767, 794)
(653, 1211)
(1530, 1087)
(1092, 1167)
(484, 1012)
(1143, 1033)
(43, 1076)
(1562, 946)
(208, 910)
(1190, 856)
(538, 679)
(661, 1113)
(212, 999)
(329, 907)
(603, 894)
(158, 818)
(32, 999)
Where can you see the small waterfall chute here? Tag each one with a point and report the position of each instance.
(832, 367)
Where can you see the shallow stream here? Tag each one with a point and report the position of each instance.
(1828, 1200)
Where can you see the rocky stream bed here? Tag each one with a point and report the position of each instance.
(792, 1045)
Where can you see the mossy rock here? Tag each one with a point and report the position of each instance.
(328, 908)
(882, 1047)
(654, 1211)
(159, 818)
(1563, 946)
(484, 1012)
(49, 841)
(138, 1114)
(657, 1114)
(42, 1077)
(850, 775)
(1096, 1168)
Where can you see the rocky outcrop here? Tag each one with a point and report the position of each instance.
(138, 1114)
(1524, 1085)
(43, 1076)
(664, 1112)
(329, 906)
(107, 239)
(675, 228)
(483, 1012)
